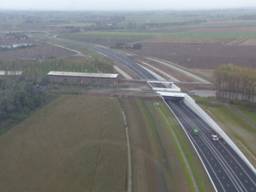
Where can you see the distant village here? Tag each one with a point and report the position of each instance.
(14, 41)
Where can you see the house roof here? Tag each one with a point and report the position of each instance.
(10, 73)
(78, 74)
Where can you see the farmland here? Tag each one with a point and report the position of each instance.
(40, 51)
(75, 143)
(79, 140)
(109, 38)
(194, 46)
(201, 55)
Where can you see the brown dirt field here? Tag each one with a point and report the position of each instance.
(171, 72)
(76, 143)
(201, 55)
(42, 51)
(249, 42)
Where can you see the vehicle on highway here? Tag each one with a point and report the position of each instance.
(215, 137)
(195, 131)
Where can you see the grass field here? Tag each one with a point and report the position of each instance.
(108, 37)
(186, 35)
(76, 143)
(207, 36)
(163, 158)
(238, 121)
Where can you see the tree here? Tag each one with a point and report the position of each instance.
(236, 83)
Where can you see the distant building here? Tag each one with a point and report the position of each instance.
(87, 79)
(11, 73)
(16, 46)
(123, 45)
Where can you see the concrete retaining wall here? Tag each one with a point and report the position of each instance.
(190, 102)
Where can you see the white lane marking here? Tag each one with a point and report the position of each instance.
(229, 171)
(197, 152)
(210, 165)
(234, 179)
(222, 164)
(232, 158)
(238, 163)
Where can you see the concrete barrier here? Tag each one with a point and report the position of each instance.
(190, 102)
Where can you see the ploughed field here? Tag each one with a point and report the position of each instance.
(201, 55)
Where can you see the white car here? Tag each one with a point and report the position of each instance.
(215, 137)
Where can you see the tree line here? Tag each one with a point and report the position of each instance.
(18, 97)
(236, 83)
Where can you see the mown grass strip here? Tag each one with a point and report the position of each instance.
(182, 155)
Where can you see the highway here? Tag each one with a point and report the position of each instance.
(228, 171)
(127, 61)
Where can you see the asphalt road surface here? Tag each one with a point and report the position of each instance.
(228, 171)
(127, 61)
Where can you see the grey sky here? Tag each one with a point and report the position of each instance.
(123, 5)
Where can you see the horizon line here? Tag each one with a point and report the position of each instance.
(127, 10)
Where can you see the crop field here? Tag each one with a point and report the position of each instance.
(162, 157)
(201, 55)
(76, 143)
(79, 143)
(40, 51)
(238, 121)
(109, 38)
(209, 34)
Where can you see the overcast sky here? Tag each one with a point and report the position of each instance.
(124, 4)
